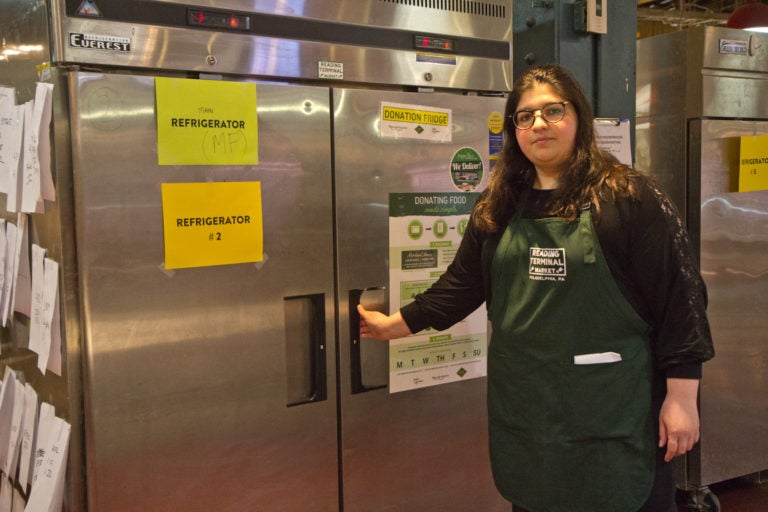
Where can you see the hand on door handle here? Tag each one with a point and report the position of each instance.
(374, 324)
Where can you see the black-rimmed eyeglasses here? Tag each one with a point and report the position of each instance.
(551, 112)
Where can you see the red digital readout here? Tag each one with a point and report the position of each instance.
(434, 43)
(197, 17)
(211, 19)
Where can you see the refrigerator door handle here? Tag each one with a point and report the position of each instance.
(305, 344)
(361, 381)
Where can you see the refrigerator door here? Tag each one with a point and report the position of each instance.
(423, 449)
(732, 231)
(204, 386)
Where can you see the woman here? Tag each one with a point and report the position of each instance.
(597, 311)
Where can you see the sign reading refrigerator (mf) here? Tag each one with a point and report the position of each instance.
(425, 230)
(206, 122)
(206, 224)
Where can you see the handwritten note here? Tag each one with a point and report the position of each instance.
(45, 279)
(37, 183)
(206, 122)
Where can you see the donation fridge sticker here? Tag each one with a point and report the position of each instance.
(425, 230)
(399, 121)
(207, 224)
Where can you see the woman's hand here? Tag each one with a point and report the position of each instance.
(374, 324)
(679, 417)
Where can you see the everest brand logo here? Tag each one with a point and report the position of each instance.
(545, 264)
(99, 42)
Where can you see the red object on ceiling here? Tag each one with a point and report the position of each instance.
(752, 14)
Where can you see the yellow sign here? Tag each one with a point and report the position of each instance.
(411, 115)
(496, 122)
(415, 122)
(208, 224)
(206, 122)
(753, 163)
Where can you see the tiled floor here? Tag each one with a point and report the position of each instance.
(738, 495)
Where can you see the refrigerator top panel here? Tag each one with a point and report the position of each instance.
(413, 43)
(732, 49)
(703, 72)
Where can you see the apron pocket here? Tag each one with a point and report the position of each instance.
(606, 401)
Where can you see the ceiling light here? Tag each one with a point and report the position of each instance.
(753, 15)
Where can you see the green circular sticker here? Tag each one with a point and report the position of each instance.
(466, 169)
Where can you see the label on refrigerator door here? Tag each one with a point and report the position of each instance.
(495, 136)
(425, 230)
(330, 70)
(753, 163)
(206, 122)
(613, 137)
(400, 121)
(467, 169)
(207, 224)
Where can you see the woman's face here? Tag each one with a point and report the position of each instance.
(547, 145)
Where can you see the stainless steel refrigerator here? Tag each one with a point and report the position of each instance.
(700, 91)
(246, 386)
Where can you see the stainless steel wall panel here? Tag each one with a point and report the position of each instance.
(186, 399)
(24, 43)
(660, 130)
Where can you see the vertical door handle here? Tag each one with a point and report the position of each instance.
(305, 349)
(374, 376)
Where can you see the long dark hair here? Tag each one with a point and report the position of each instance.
(590, 169)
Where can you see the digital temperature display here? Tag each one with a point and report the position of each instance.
(435, 43)
(223, 20)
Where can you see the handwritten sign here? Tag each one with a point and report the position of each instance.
(206, 122)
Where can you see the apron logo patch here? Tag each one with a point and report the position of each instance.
(546, 264)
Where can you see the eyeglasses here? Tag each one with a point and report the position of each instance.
(551, 113)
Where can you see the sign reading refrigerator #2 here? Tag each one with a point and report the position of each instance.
(425, 230)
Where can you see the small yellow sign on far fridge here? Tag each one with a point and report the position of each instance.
(753, 163)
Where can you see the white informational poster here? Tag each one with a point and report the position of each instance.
(613, 136)
(425, 230)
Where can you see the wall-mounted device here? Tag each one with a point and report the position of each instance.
(591, 16)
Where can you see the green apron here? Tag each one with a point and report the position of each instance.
(566, 437)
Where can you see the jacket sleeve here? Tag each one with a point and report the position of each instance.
(456, 294)
(664, 268)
